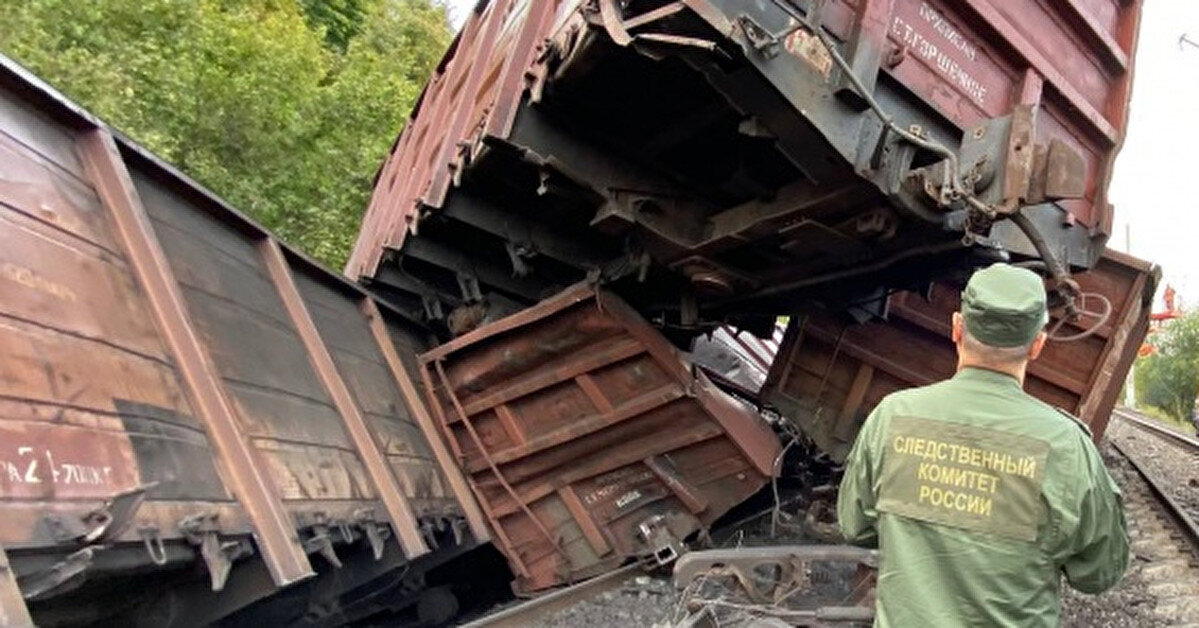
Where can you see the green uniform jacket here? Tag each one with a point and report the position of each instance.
(978, 496)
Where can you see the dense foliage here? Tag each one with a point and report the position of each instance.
(283, 107)
(1168, 379)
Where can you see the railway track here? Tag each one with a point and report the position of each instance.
(536, 610)
(1187, 443)
(1163, 529)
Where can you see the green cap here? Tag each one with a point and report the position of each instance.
(1004, 306)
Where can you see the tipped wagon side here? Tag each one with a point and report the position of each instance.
(830, 371)
(196, 422)
(588, 440)
(721, 161)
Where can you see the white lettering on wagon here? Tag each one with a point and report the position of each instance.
(612, 483)
(628, 498)
(951, 34)
(938, 57)
(30, 471)
(30, 468)
(31, 279)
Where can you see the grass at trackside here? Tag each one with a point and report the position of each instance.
(1158, 415)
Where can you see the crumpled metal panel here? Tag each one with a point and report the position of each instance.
(829, 374)
(737, 359)
(587, 439)
(470, 93)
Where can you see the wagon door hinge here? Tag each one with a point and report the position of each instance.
(202, 530)
(432, 307)
(459, 525)
(429, 527)
(656, 534)
(376, 534)
(103, 523)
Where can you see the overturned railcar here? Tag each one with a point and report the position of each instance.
(193, 417)
(831, 370)
(199, 425)
(727, 161)
(588, 440)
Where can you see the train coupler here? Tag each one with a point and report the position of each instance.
(664, 546)
(809, 584)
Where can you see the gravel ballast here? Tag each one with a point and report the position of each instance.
(1163, 459)
(653, 602)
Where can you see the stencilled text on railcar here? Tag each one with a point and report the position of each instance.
(950, 38)
(30, 468)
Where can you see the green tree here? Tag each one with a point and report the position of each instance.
(285, 108)
(1168, 379)
(341, 20)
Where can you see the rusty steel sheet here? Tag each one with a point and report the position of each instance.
(89, 389)
(499, 40)
(724, 162)
(190, 410)
(831, 373)
(587, 439)
(279, 402)
(392, 338)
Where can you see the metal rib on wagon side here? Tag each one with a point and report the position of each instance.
(588, 440)
(193, 417)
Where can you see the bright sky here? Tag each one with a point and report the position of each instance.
(458, 11)
(1159, 163)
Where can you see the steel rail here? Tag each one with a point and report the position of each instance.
(1178, 438)
(526, 613)
(1172, 508)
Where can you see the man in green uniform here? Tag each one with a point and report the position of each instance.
(978, 495)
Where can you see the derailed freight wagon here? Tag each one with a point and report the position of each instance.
(588, 440)
(197, 422)
(721, 161)
(831, 371)
(200, 425)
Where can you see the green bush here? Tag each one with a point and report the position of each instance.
(1168, 379)
(286, 109)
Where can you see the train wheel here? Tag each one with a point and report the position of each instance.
(436, 606)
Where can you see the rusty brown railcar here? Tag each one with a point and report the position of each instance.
(588, 440)
(721, 161)
(830, 373)
(194, 417)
